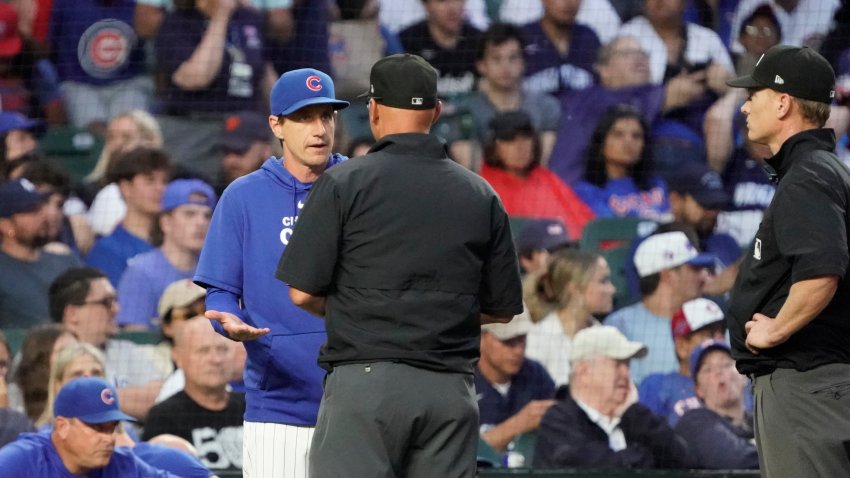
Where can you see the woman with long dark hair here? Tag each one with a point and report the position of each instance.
(618, 179)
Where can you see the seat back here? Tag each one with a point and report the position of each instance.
(612, 239)
(74, 149)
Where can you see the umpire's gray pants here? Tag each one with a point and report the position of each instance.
(803, 422)
(389, 419)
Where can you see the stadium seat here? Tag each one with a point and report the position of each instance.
(15, 338)
(74, 149)
(612, 239)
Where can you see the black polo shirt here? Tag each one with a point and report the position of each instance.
(803, 235)
(409, 247)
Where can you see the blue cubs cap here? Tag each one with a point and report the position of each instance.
(90, 400)
(19, 196)
(703, 348)
(188, 191)
(12, 120)
(299, 88)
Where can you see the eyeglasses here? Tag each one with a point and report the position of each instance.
(107, 302)
(758, 32)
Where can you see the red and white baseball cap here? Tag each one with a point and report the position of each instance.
(694, 315)
(666, 251)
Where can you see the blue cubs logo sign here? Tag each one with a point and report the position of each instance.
(105, 47)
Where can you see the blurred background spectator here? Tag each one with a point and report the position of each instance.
(527, 188)
(100, 60)
(619, 180)
(562, 301)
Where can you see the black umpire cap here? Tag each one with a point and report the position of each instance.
(799, 71)
(403, 81)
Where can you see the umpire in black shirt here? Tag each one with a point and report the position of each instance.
(405, 253)
(789, 317)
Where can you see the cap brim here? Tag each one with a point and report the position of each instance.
(239, 145)
(703, 260)
(744, 82)
(633, 350)
(317, 100)
(716, 199)
(108, 416)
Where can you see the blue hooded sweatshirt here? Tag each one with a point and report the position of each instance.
(250, 228)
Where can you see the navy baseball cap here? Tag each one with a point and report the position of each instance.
(90, 400)
(243, 129)
(299, 88)
(537, 234)
(703, 184)
(703, 348)
(12, 120)
(799, 71)
(19, 196)
(188, 191)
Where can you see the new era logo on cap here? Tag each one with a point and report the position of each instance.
(778, 80)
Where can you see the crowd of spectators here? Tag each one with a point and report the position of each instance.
(574, 111)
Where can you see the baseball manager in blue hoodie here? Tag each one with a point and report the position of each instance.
(250, 229)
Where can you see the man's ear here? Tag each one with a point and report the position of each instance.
(437, 110)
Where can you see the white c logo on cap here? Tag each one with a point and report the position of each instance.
(314, 83)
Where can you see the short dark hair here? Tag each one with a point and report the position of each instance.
(45, 172)
(71, 287)
(497, 34)
(648, 284)
(127, 165)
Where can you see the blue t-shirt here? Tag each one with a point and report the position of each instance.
(637, 323)
(581, 112)
(111, 253)
(171, 459)
(532, 382)
(146, 278)
(250, 228)
(668, 395)
(33, 455)
(547, 71)
(236, 87)
(94, 42)
(621, 198)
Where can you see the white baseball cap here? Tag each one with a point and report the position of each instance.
(694, 315)
(666, 251)
(604, 340)
(519, 325)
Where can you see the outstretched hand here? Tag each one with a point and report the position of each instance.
(235, 328)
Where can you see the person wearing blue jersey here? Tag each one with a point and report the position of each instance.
(250, 228)
(82, 442)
